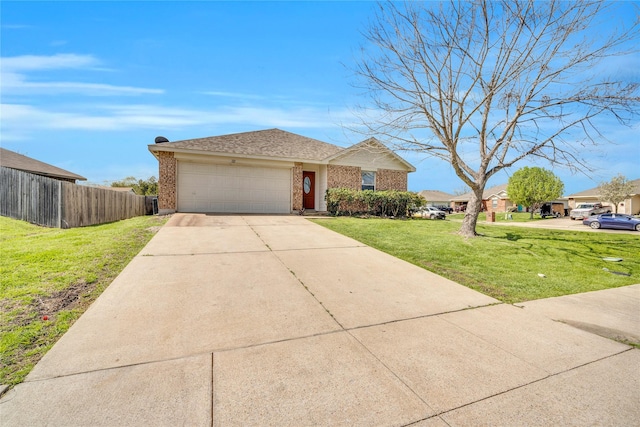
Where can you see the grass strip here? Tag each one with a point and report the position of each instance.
(49, 277)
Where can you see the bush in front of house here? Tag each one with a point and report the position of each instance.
(346, 201)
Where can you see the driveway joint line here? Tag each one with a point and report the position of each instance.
(422, 316)
(213, 389)
(205, 253)
(535, 381)
(298, 279)
(391, 371)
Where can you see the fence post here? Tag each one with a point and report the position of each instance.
(60, 204)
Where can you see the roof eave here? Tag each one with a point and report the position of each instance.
(232, 155)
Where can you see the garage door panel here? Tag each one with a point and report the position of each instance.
(233, 189)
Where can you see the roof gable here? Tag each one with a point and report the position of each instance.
(370, 153)
(499, 191)
(270, 143)
(11, 159)
(436, 196)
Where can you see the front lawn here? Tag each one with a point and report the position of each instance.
(505, 262)
(49, 277)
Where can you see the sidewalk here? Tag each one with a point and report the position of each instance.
(274, 320)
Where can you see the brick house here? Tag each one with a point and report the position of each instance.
(268, 171)
(494, 199)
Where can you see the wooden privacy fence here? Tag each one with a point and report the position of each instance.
(53, 203)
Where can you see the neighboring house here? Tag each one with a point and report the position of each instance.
(436, 198)
(11, 159)
(268, 171)
(630, 206)
(494, 199)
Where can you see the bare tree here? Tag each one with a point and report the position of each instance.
(485, 84)
(616, 191)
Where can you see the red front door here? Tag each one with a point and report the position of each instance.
(308, 190)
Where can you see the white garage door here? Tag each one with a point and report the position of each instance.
(233, 189)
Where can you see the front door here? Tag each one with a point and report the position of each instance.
(308, 190)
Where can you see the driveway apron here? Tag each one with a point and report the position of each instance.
(275, 320)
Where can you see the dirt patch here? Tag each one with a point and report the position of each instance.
(65, 299)
(45, 305)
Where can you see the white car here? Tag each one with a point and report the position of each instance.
(432, 213)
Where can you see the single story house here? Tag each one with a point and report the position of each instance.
(436, 198)
(630, 206)
(268, 171)
(12, 160)
(494, 199)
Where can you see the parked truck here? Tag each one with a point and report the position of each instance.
(585, 210)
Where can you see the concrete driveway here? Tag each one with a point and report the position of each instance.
(274, 320)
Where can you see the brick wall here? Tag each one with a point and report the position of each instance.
(296, 191)
(501, 207)
(168, 167)
(387, 179)
(344, 176)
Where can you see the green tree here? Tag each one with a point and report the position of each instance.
(485, 84)
(142, 187)
(531, 187)
(615, 191)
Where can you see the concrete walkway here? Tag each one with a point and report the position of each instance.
(274, 320)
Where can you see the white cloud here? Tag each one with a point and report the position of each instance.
(17, 118)
(39, 62)
(14, 77)
(236, 95)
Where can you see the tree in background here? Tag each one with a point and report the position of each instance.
(531, 187)
(485, 84)
(615, 191)
(148, 187)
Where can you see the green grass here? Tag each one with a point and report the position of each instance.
(56, 273)
(505, 261)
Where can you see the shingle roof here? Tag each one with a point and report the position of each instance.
(264, 143)
(595, 192)
(13, 160)
(485, 195)
(435, 195)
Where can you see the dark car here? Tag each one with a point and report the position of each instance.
(611, 220)
(445, 209)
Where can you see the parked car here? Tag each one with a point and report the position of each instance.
(431, 212)
(585, 210)
(445, 209)
(617, 221)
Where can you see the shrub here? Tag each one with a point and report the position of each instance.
(346, 201)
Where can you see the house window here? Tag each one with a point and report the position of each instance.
(494, 203)
(368, 180)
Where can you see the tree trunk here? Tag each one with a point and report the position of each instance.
(470, 220)
(531, 209)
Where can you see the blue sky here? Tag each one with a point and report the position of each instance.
(86, 86)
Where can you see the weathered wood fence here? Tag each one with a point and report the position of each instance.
(53, 203)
